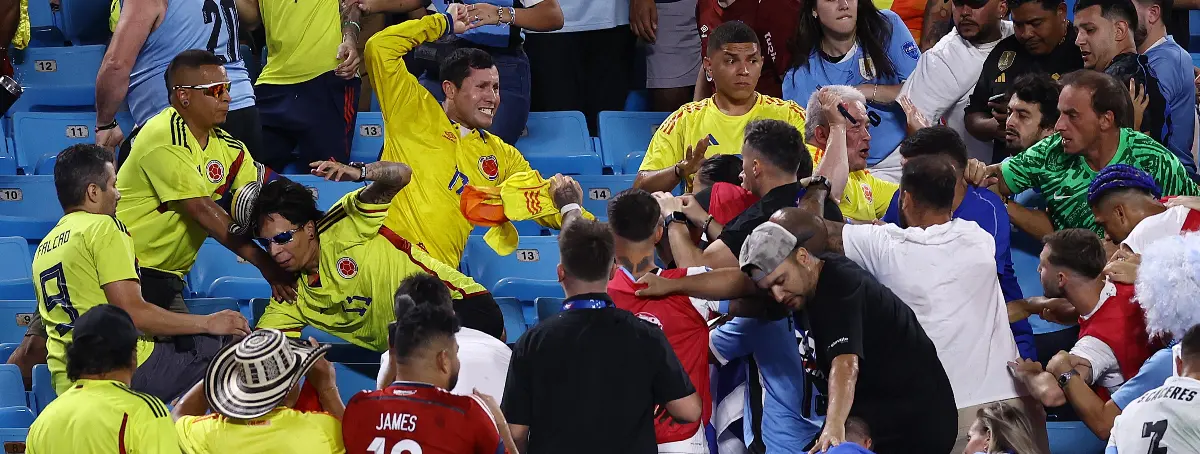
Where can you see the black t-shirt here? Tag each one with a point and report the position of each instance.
(1008, 61)
(587, 381)
(786, 196)
(1156, 120)
(899, 370)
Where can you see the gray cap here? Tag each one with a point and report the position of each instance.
(765, 249)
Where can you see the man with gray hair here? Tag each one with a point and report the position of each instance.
(862, 197)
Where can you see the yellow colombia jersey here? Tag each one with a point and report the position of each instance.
(167, 165)
(103, 417)
(302, 39)
(361, 266)
(81, 254)
(866, 197)
(419, 134)
(700, 119)
(281, 430)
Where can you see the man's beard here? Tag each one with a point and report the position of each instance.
(1054, 292)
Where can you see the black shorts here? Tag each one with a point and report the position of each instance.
(588, 71)
(172, 369)
(314, 119)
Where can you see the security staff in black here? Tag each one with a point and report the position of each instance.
(1043, 42)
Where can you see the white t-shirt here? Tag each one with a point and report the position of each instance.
(947, 275)
(483, 359)
(1105, 370)
(586, 15)
(1164, 420)
(1163, 225)
(945, 77)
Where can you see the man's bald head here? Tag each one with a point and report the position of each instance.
(808, 228)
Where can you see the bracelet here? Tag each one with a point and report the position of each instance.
(570, 206)
(875, 93)
(678, 172)
(706, 224)
(512, 15)
(111, 125)
(355, 24)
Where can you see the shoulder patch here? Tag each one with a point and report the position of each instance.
(1006, 60)
(910, 49)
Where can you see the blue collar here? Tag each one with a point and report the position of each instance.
(588, 301)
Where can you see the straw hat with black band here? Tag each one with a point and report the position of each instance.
(252, 377)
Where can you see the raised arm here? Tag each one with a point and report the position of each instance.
(215, 221)
(138, 19)
(546, 16)
(387, 179)
(248, 14)
(716, 285)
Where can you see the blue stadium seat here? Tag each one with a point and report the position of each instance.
(16, 270)
(368, 144)
(528, 291)
(632, 162)
(547, 307)
(536, 257)
(6, 350)
(514, 318)
(12, 390)
(16, 416)
(43, 28)
(15, 434)
(622, 133)
(206, 306)
(28, 206)
(1072, 437)
(638, 100)
(327, 192)
(219, 273)
(58, 77)
(350, 381)
(14, 318)
(598, 189)
(255, 311)
(558, 142)
(43, 389)
(44, 134)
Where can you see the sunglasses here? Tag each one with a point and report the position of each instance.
(215, 89)
(281, 239)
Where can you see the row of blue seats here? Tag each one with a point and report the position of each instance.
(555, 142)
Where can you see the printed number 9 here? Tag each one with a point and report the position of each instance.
(403, 447)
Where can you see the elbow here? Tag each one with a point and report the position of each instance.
(555, 22)
(688, 409)
(639, 181)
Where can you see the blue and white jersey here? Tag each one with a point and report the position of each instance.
(856, 68)
(188, 24)
(1172, 65)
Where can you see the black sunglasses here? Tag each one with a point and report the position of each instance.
(281, 238)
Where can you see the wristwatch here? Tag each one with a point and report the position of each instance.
(674, 217)
(819, 179)
(1066, 378)
(362, 167)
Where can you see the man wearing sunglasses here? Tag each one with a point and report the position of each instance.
(179, 180)
(940, 87)
(349, 263)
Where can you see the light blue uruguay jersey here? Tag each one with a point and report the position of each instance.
(1173, 67)
(856, 68)
(188, 24)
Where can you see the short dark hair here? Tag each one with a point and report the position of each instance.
(97, 353)
(76, 167)
(732, 32)
(633, 214)
(287, 198)
(423, 288)
(936, 141)
(586, 250)
(421, 324)
(459, 64)
(1113, 10)
(931, 180)
(1048, 5)
(1189, 347)
(1038, 88)
(1108, 94)
(857, 429)
(722, 168)
(779, 142)
(1079, 250)
(188, 59)
(1164, 5)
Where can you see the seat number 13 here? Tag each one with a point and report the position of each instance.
(379, 446)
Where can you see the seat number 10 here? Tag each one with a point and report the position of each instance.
(379, 446)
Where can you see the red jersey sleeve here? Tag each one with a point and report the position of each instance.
(483, 423)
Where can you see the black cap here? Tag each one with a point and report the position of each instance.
(106, 325)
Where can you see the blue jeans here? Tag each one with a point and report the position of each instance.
(513, 111)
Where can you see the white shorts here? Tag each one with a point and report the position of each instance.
(698, 444)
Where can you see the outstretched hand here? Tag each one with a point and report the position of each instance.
(655, 286)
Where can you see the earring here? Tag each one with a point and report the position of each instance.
(185, 103)
(814, 13)
(708, 76)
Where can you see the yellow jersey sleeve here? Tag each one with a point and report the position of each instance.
(112, 248)
(666, 147)
(514, 161)
(191, 432)
(152, 432)
(881, 193)
(796, 117)
(365, 219)
(394, 85)
(172, 175)
(282, 316)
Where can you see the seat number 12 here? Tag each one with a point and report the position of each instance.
(379, 446)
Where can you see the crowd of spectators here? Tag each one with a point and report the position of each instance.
(832, 276)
